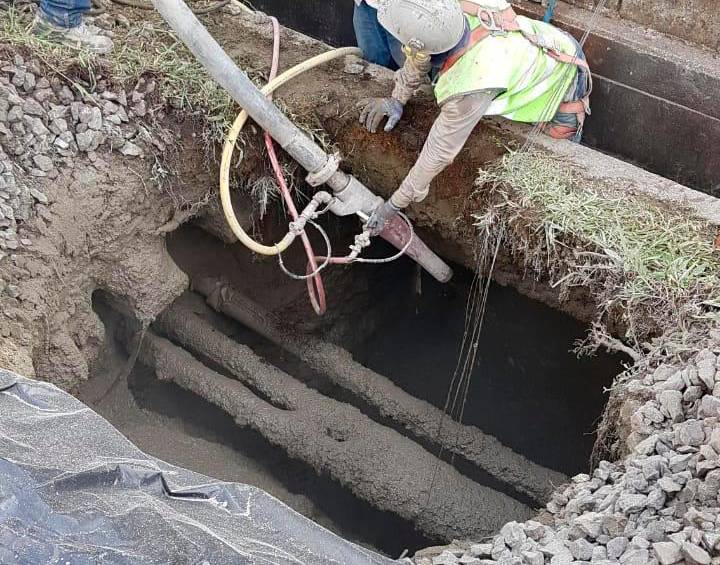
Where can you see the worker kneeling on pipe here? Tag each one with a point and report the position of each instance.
(484, 60)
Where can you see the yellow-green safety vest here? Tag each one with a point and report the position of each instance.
(533, 83)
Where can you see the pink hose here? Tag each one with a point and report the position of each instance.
(316, 288)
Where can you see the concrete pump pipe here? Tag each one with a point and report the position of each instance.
(353, 197)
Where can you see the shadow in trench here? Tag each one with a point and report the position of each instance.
(528, 389)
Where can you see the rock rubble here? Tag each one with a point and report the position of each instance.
(659, 506)
(45, 126)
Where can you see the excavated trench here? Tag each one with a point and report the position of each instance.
(341, 417)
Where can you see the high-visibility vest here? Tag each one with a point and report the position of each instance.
(533, 67)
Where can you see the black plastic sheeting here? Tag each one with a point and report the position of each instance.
(74, 491)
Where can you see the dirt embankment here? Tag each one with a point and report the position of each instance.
(110, 161)
(94, 173)
(90, 220)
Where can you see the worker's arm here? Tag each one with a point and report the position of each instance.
(448, 135)
(411, 77)
(407, 81)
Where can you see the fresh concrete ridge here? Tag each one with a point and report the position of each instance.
(373, 461)
(418, 417)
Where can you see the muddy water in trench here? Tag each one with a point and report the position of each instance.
(527, 390)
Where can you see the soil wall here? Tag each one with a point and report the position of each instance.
(104, 207)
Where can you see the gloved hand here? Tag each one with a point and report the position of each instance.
(375, 109)
(380, 217)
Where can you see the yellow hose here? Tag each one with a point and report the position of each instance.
(231, 139)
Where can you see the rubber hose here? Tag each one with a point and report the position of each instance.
(316, 288)
(231, 139)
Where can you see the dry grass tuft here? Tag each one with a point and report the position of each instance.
(653, 268)
(654, 272)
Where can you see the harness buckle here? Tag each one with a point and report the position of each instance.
(490, 24)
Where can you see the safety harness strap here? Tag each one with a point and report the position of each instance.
(476, 36)
(504, 21)
(578, 107)
(501, 20)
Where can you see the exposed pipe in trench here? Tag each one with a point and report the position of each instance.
(374, 462)
(420, 418)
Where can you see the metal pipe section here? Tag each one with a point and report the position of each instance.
(227, 74)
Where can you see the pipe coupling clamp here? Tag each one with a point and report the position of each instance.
(321, 176)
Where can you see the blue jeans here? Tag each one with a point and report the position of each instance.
(64, 13)
(377, 44)
(583, 83)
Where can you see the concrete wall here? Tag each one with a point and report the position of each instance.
(653, 99)
(697, 21)
(327, 20)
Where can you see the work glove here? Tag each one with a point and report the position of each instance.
(375, 109)
(380, 217)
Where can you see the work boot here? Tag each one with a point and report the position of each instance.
(78, 37)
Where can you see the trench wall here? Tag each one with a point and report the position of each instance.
(653, 95)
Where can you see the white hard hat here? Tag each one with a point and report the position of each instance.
(432, 26)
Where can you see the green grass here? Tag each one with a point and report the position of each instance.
(646, 259)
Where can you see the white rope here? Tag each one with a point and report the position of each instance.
(399, 253)
(328, 257)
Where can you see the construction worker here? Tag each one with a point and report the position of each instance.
(485, 61)
(377, 44)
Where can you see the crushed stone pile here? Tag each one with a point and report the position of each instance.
(44, 126)
(660, 506)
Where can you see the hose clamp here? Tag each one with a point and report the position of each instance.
(321, 176)
(355, 198)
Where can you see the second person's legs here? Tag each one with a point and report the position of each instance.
(64, 13)
(378, 45)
